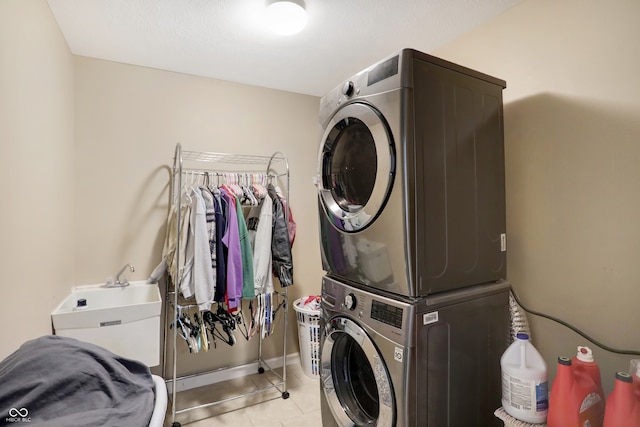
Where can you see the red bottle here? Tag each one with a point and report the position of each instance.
(634, 370)
(584, 360)
(575, 400)
(623, 404)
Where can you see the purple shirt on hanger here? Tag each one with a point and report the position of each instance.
(231, 239)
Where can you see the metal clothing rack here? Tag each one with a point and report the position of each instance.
(219, 164)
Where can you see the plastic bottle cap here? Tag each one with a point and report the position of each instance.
(564, 361)
(585, 354)
(623, 376)
(522, 336)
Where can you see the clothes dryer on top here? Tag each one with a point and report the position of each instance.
(411, 177)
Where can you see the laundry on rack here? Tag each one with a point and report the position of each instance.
(231, 240)
(198, 281)
(211, 227)
(221, 212)
(246, 254)
(244, 303)
(291, 223)
(223, 257)
(169, 261)
(260, 230)
(280, 243)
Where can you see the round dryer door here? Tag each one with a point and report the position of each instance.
(355, 380)
(357, 165)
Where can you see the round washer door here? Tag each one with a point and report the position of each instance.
(357, 166)
(355, 380)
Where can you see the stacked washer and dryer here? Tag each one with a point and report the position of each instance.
(412, 226)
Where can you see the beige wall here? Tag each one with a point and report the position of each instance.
(36, 136)
(82, 198)
(572, 124)
(75, 213)
(128, 121)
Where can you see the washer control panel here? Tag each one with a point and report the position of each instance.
(386, 313)
(390, 318)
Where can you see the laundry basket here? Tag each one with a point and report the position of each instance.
(309, 337)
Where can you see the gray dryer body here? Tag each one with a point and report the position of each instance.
(411, 177)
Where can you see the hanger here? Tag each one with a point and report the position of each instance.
(241, 324)
(183, 326)
(235, 188)
(259, 187)
(227, 323)
(248, 194)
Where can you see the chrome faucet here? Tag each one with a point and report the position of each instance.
(117, 283)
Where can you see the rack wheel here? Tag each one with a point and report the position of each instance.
(285, 394)
(261, 370)
(175, 424)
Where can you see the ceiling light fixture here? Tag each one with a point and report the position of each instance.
(286, 17)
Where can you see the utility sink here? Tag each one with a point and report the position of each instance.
(124, 320)
(104, 305)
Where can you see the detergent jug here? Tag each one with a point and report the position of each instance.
(623, 404)
(634, 370)
(584, 360)
(524, 381)
(576, 399)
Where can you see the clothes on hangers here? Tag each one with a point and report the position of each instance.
(280, 244)
(259, 223)
(221, 211)
(291, 224)
(198, 281)
(211, 227)
(246, 254)
(231, 239)
(168, 262)
(225, 258)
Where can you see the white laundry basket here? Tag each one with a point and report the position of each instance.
(309, 337)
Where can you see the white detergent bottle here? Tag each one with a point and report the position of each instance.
(525, 393)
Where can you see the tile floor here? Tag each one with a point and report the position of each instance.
(264, 409)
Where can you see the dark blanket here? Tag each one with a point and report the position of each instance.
(58, 381)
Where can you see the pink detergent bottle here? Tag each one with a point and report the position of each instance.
(623, 404)
(634, 370)
(576, 399)
(584, 360)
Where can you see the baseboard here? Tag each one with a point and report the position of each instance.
(225, 374)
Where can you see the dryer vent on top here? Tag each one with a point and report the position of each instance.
(411, 177)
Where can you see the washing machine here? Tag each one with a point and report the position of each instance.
(393, 362)
(411, 177)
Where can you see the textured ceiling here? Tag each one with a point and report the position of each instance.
(227, 40)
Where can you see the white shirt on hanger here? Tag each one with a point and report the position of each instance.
(199, 281)
(260, 239)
